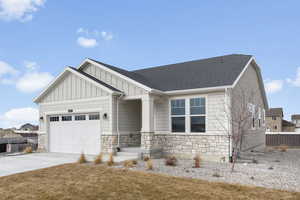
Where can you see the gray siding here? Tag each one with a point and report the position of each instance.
(121, 84)
(216, 120)
(73, 87)
(130, 116)
(249, 87)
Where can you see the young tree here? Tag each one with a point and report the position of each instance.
(239, 117)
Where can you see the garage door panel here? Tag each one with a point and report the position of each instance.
(75, 136)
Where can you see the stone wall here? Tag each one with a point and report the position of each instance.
(130, 140)
(42, 142)
(109, 143)
(210, 147)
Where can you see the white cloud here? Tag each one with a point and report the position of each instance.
(31, 65)
(106, 36)
(87, 42)
(33, 81)
(18, 116)
(21, 10)
(295, 82)
(6, 69)
(273, 86)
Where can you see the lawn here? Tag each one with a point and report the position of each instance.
(88, 181)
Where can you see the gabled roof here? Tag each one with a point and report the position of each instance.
(83, 75)
(205, 73)
(287, 123)
(274, 112)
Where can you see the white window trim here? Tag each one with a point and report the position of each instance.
(187, 114)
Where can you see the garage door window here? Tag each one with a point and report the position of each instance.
(94, 117)
(54, 119)
(79, 117)
(66, 118)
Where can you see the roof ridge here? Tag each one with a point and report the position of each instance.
(197, 60)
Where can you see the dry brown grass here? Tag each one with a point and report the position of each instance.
(149, 164)
(171, 161)
(28, 149)
(146, 158)
(283, 148)
(197, 160)
(82, 159)
(111, 161)
(99, 159)
(86, 181)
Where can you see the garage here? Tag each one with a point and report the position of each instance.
(75, 133)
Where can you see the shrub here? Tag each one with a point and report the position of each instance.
(110, 161)
(171, 161)
(146, 158)
(149, 164)
(82, 159)
(99, 159)
(283, 148)
(197, 160)
(28, 149)
(130, 163)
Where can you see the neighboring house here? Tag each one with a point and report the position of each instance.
(28, 127)
(296, 121)
(274, 117)
(276, 123)
(177, 109)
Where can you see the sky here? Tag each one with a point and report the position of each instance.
(39, 38)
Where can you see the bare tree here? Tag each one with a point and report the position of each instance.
(239, 114)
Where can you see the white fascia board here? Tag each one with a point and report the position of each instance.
(116, 73)
(197, 90)
(60, 76)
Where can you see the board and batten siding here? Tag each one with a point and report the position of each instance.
(216, 120)
(121, 84)
(73, 87)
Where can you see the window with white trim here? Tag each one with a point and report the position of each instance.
(54, 119)
(94, 117)
(178, 115)
(188, 115)
(197, 115)
(66, 118)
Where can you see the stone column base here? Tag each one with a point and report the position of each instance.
(109, 143)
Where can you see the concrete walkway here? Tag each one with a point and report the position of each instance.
(27, 162)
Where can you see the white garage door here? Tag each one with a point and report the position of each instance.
(75, 133)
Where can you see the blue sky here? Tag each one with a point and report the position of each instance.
(38, 38)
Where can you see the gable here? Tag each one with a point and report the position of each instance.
(250, 83)
(127, 87)
(72, 87)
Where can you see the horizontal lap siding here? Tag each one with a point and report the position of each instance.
(130, 116)
(283, 139)
(73, 87)
(121, 84)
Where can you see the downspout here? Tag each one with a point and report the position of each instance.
(118, 132)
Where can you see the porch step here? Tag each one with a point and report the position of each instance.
(130, 151)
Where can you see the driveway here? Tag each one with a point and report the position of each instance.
(27, 162)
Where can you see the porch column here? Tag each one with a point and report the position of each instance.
(147, 131)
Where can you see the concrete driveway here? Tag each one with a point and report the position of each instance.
(27, 162)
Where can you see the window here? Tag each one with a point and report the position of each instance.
(66, 118)
(79, 117)
(54, 119)
(94, 117)
(178, 115)
(197, 114)
(188, 115)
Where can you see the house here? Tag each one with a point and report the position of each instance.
(177, 109)
(296, 121)
(28, 127)
(276, 123)
(274, 117)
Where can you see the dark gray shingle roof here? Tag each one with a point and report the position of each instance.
(211, 72)
(274, 112)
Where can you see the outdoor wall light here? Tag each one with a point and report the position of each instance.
(105, 116)
(41, 118)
